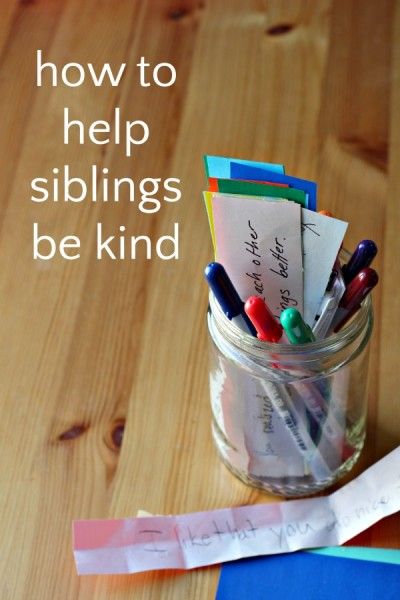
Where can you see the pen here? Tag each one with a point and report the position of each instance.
(330, 302)
(357, 290)
(227, 296)
(297, 331)
(361, 258)
(319, 421)
(268, 329)
(315, 395)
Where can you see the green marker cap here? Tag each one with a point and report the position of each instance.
(297, 331)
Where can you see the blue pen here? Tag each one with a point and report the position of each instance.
(361, 258)
(227, 297)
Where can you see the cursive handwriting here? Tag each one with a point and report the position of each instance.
(281, 262)
(253, 248)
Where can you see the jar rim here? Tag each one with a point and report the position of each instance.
(332, 343)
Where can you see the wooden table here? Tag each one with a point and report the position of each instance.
(104, 393)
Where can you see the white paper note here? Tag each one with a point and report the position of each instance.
(259, 244)
(322, 238)
(118, 546)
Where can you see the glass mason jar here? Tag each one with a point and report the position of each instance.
(289, 419)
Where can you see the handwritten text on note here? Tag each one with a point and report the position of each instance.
(259, 244)
(322, 237)
(204, 538)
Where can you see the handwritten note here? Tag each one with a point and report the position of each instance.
(322, 238)
(193, 540)
(259, 244)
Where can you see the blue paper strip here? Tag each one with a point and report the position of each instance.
(251, 173)
(220, 166)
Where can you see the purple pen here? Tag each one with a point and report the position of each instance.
(361, 258)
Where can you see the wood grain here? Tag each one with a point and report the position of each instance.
(103, 365)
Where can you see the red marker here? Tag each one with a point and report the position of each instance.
(357, 290)
(268, 328)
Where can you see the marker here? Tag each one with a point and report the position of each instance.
(227, 297)
(326, 213)
(268, 329)
(361, 258)
(314, 398)
(357, 290)
(297, 331)
(318, 393)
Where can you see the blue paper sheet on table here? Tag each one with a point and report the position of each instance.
(256, 173)
(310, 576)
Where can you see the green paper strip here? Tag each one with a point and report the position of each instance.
(385, 555)
(248, 188)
